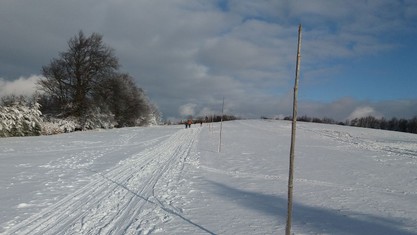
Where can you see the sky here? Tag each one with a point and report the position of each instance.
(358, 58)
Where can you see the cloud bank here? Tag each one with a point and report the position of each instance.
(189, 54)
(21, 86)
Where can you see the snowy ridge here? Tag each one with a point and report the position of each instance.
(125, 201)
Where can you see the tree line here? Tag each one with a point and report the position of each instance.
(225, 117)
(207, 119)
(393, 124)
(84, 87)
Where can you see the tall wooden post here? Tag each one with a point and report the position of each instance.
(294, 124)
(221, 128)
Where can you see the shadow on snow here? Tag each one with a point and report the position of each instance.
(319, 219)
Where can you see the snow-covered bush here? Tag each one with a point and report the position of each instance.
(152, 121)
(52, 126)
(97, 119)
(19, 119)
(93, 120)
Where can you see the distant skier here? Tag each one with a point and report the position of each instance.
(189, 123)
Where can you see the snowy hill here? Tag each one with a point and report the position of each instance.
(171, 180)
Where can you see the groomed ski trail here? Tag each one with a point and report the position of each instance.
(131, 198)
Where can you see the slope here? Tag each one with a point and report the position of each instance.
(170, 180)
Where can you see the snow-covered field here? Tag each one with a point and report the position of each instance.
(171, 180)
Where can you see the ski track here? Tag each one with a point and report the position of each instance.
(122, 200)
(394, 149)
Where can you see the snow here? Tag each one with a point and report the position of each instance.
(171, 180)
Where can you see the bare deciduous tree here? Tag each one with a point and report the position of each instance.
(84, 81)
(71, 78)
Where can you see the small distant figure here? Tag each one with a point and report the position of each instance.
(201, 122)
(188, 124)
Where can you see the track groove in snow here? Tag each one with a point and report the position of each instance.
(124, 202)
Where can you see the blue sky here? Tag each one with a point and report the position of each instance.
(391, 75)
(358, 57)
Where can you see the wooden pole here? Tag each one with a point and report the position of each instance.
(221, 128)
(211, 124)
(294, 125)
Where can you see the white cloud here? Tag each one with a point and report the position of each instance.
(206, 111)
(187, 109)
(21, 86)
(364, 112)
